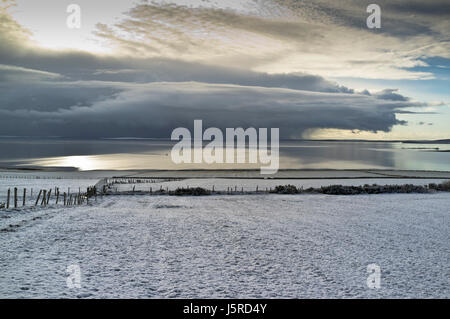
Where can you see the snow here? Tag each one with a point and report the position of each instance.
(260, 246)
(223, 184)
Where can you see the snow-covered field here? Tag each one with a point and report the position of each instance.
(271, 246)
(224, 184)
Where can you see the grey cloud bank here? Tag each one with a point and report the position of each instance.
(155, 109)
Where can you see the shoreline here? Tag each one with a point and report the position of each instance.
(228, 173)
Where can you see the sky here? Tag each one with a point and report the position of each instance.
(143, 68)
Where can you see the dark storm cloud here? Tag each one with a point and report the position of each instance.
(155, 109)
(53, 104)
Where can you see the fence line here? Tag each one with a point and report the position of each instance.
(45, 196)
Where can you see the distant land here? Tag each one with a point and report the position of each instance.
(430, 142)
(441, 141)
(444, 141)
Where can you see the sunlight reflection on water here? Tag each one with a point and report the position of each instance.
(155, 154)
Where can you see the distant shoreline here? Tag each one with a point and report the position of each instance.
(125, 138)
(235, 173)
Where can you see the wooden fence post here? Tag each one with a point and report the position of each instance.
(65, 198)
(15, 197)
(39, 196)
(57, 196)
(9, 195)
(48, 196)
(44, 198)
(24, 196)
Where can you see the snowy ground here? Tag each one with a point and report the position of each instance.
(223, 184)
(271, 246)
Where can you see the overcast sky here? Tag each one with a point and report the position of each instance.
(143, 68)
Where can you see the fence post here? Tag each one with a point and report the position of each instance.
(24, 196)
(7, 201)
(57, 196)
(48, 196)
(39, 196)
(15, 197)
(44, 198)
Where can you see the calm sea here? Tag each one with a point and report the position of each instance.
(155, 154)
